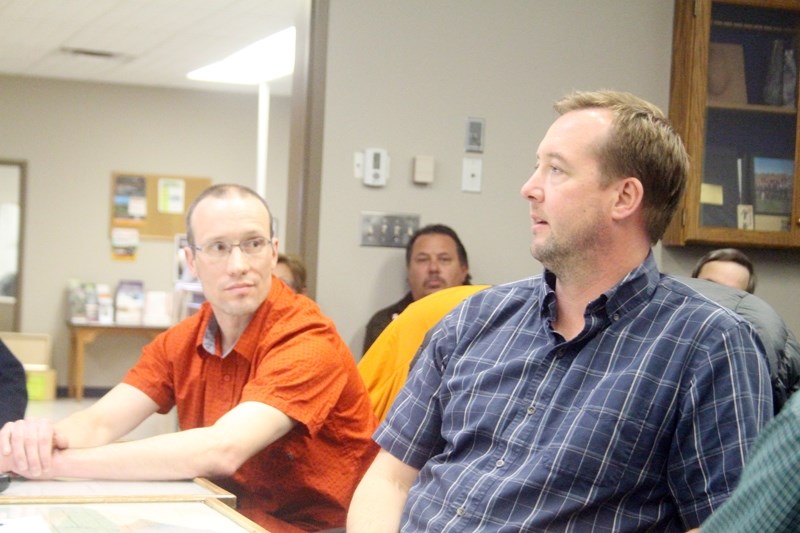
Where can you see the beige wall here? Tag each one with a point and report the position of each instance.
(73, 136)
(402, 76)
(405, 76)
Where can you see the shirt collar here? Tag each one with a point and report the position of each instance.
(210, 337)
(634, 289)
(260, 321)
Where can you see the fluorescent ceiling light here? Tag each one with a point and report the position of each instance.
(268, 59)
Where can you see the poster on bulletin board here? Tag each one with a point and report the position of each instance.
(153, 205)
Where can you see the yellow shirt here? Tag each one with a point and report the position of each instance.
(384, 367)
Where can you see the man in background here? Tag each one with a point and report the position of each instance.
(780, 345)
(292, 271)
(435, 259)
(270, 404)
(733, 282)
(727, 266)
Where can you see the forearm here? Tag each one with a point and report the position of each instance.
(378, 502)
(107, 420)
(377, 507)
(183, 455)
(215, 451)
(81, 430)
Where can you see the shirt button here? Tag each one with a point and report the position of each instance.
(227, 378)
(531, 409)
(615, 317)
(500, 463)
(461, 511)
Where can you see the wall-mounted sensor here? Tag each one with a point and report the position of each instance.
(423, 169)
(376, 167)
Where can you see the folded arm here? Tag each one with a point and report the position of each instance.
(28, 445)
(378, 501)
(218, 450)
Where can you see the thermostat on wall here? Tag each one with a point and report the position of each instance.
(376, 167)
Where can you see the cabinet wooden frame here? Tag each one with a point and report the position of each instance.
(689, 105)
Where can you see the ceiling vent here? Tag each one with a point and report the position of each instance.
(93, 54)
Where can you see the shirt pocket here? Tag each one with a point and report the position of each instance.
(598, 449)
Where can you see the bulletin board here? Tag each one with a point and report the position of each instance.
(153, 204)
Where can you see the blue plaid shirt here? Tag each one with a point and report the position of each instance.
(640, 423)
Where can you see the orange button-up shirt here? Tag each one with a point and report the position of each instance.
(291, 358)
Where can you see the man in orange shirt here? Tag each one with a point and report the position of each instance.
(269, 400)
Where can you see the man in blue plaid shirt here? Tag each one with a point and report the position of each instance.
(598, 396)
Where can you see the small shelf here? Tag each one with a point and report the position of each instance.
(753, 108)
(755, 27)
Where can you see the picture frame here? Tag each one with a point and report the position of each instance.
(773, 181)
(53, 491)
(209, 514)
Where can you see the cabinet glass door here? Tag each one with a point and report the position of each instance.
(751, 119)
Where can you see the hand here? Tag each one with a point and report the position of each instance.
(27, 446)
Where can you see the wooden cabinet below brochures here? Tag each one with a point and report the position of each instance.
(734, 101)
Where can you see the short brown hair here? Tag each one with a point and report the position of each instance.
(223, 190)
(731, 255)
(642, 144)
(297, 268)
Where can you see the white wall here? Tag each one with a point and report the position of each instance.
(73, 136)
(405, 76)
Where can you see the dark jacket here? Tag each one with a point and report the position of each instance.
(382, 318)
(13, 391)
(780, 344)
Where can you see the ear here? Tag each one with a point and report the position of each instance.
(274, 243)
(188, 252)
(629, 198)
(464, 271)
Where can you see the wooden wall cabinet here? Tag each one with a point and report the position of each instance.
(733, 99)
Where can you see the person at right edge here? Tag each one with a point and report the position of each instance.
(601, 395)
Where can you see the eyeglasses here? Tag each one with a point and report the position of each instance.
(221, 249)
